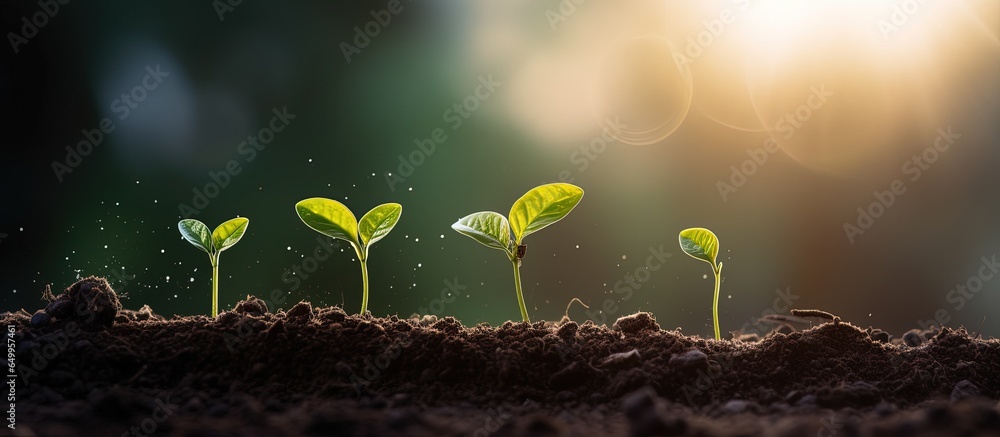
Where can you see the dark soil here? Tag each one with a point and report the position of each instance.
(320, 371)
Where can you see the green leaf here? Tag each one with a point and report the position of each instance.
(488, 228)
(700, 243)
(229, 233)
(542, 206)
(377, 223)
(196, 233)
(329, 217)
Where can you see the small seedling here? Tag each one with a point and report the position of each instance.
(538, 208)
(331, 218)
(701, 243)
(222, 238)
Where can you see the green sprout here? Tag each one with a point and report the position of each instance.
(222, 238)
(538, 208)
(701, 243)
(333, 219)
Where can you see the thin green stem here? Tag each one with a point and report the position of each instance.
(215, 284)
(517, 284)
(364, 280)
(715, 302)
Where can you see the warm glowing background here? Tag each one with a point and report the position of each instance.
(693, 89)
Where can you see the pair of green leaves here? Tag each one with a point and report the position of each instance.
(701, 243)
(331, 218)
(538, 208)
(214, 242)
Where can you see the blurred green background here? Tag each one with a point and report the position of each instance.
(560, 70)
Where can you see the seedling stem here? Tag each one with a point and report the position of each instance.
(517, 285)
(215, 284)
(364, 280)
(715, 302)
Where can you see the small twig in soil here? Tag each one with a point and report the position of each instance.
(781, 318)
(571, 303)
(819, 314)
(566, 315)
(980, 330)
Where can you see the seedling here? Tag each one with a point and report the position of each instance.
(222, 238)
(538, 208)
(331, 218)
(701, 243)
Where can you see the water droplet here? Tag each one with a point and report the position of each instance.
(416, 240)
(288, 248)
(105, 246)
(168, 278)
(192, 280)
(410, 189)
(310, 160)
(577, 246)
(442, 235)
(162, 251)
(419, 265)
(624, 257)
(704, 276)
